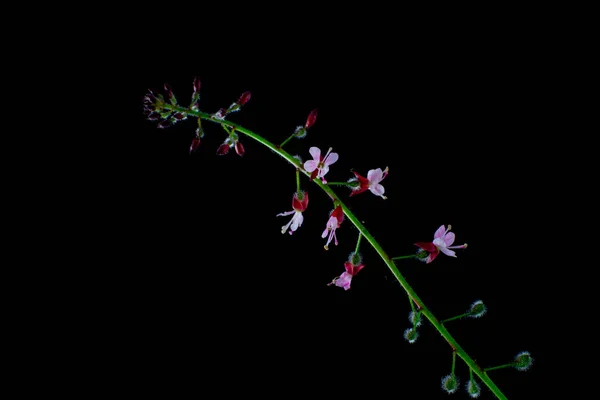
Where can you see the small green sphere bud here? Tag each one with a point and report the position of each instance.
(477, 309)
(523, 361)
(411, 335)
(450, 383)
(473, 389)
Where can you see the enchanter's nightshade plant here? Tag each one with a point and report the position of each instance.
(166, 110)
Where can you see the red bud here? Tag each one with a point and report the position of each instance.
(312, 117)
(244, 98)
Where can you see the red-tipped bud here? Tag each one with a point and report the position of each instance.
(223, 149)
(239, 148)
(300, 204)
(312, 117)
(353, 269)
(244, 98)
(194, 145)
(196, 84)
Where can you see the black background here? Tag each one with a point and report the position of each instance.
(208, 294)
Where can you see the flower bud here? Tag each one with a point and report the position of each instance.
(415, 318)
(312, 117)
(244, 98)
(473, 388)
(411, 335)
(195, 144)
(523, 361)
(196, 84)
(450, 383)
(477, 309)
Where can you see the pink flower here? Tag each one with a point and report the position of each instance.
(345, 279)
(335, 220)
(442, 241)
(298, 208)
(319, 166)
(371, 182)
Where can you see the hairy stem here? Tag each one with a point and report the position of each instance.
(365, 233)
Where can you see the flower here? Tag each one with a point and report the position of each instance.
(442, 240)
(352, 266)
(319, 166)
(335, 220)
(371, 182)
(231, 141)
(299, 204)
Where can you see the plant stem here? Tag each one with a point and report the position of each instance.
(453, 318)
(403, 257)
(298, 182)
(361, 228)
(498, 367)
(358, 242)
(287, 140)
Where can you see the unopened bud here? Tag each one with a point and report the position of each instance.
(411, 335)
(244, 98)
(523, 361)
(415, 318)
(450, 383)
(312, 117)
(477, 309)
(473, 388)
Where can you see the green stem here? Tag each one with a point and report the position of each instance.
(403, 257)
(453, 361)
(498, 367)
(453, 318)
(361, 228)
(298, 182)
(287, 140)
(358, 242)
(338, 183)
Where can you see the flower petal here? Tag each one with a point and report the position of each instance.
(375, 176)
(440, 232)
(297, 221)
(449, 238)
(315, 152)
(283, 214)
(377, 189)
(447, 252)
(310, 165)
(331, 158)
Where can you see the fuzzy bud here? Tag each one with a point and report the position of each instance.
(411, 335)
(415, 318)
(473, 388)
(523, 361)
(477, 309)
(450, 383)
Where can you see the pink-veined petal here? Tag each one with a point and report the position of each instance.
(375, 176)
(325, 232)
(323, 171)
(331, 158)
(447, 252)
(377, 189)
(315, 152)
(344, 281)
(440, 232)
(297, 221)
(449, 238)
(310, 165)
